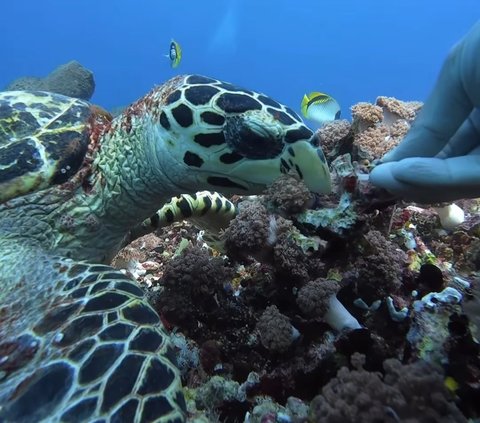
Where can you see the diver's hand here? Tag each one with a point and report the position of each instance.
(439, 159)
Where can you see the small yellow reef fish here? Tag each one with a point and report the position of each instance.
(175, 54)
(320, 107)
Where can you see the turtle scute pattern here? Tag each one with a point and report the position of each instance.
(107, 356)
(44, 138)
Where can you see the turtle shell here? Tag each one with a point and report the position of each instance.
(44, 138)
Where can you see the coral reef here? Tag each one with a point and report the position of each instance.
(378, 267)
(332, 135)
(71, 79)
(375, 129)
(319, 299)
(288, 196)
(276, 332)
(251, 232)
(191, 283)
(407, 393)
(259, 330)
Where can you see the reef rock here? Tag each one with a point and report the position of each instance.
(71, 79)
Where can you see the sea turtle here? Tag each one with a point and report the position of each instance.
(78, 340)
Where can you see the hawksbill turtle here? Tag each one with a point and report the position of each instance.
(78, 339)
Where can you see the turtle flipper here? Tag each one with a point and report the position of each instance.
(79, 341)
(208, 211)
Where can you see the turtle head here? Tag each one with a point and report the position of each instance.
(220, 137)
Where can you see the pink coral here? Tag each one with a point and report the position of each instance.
(394, 109)
(332, 134)
(380, 127)
(365, 115)
(374, 142)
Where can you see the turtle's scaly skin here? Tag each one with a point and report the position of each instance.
(78, 341)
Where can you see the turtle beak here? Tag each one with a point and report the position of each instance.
(309, 162)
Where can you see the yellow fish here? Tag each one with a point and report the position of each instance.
(320, 107)
(175, 54)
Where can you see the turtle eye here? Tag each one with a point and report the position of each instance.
(251, 141)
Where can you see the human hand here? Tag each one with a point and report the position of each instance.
(439, 158)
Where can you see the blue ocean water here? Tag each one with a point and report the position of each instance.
(354, 50)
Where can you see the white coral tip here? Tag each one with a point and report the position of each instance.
(338, 317)
(450, 216)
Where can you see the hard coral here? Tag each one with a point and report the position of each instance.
(288, 195)
(276, 332)
(70, 79)
(408, 393)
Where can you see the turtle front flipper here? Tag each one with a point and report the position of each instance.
(209, 211)
(79, 342)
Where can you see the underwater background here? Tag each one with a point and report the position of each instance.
(353, 50)
(341, 307)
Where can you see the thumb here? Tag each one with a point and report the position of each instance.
(430, 180)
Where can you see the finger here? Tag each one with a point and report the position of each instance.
(437, 173)
(384, 176)
(444, 111)
(465, 139)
